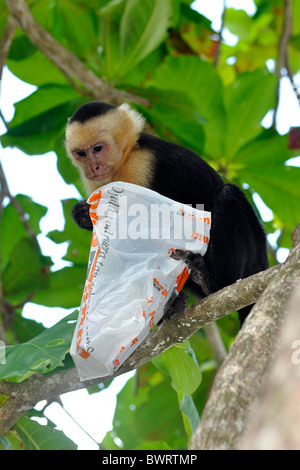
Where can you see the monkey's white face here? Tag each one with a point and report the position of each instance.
(93, 161)
(100, 145)
(93, 148)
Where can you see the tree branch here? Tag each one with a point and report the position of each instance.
(6, 40)
(181, 326)
(274, 423)
(218, 50)
(241, 378)
(283, 53)
(73, 69)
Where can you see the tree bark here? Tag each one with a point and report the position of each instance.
(242, 377)
(275, 423)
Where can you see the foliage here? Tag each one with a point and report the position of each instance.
(165, 51)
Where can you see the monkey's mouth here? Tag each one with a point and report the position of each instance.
(99, 177)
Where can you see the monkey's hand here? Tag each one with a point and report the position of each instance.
(199, 272)
(80, 213)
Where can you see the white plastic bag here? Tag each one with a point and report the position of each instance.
(131, 279)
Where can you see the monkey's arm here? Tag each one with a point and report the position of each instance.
(80, 213)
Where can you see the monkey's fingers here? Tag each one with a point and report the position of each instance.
(80, 213)
(181, 254)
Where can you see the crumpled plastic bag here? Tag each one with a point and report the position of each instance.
(131, 278)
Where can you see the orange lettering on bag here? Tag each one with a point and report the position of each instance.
(84, 354)
(116, 362)
(151, 321)
(95, 197)
(94, 218)
(135, 340)
(94, 240)
(79, 338)
(181, 279)
(196, 236)
(161, 288)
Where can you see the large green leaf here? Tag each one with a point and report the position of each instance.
(200, 82)
(166, 108)
(79, 240)
(38, 135)
(35, 436)
(147, 410)
(27, 271)
(143, 27)
(12, 229)
(262, 166)
(247, 101)
(42, 354)
(182, 368)
(75, 26)
(65, 167)
(37, 70)
(44, 99)
(65, 288)
(109, 50)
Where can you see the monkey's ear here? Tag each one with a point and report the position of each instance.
(136, 118)
(129, 126)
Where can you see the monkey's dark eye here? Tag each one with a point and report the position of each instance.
(81, 153)
(97, 148)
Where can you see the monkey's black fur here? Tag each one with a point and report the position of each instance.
(90, 110)
(237, 246)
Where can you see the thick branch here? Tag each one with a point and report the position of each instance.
(275, 423)
(240, 381)
(181, 326)
(73, 69)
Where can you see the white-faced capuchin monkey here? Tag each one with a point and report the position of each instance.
(106, 143)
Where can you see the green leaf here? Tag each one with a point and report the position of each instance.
(12, 229)
(37, 70)
(247, 101)
(238, 23)
(146, 395)
(25, 328)
(183, 370)
(75, 27)
(38, 437)
(79, 240)
(44, 99)
(109, 50)
(166, 108)
(190, 414)
(38, 135)
(65, 167)
(42, 354)
(143, 27)
(263, 168)
(27, 271)
(65, 288)
(199, 81)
